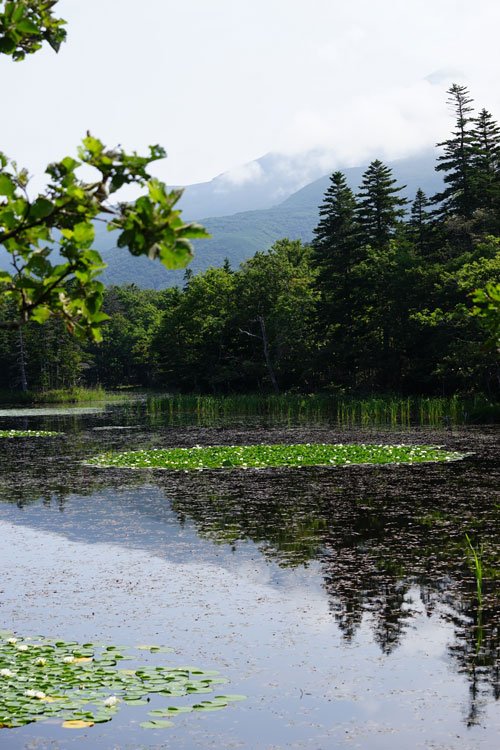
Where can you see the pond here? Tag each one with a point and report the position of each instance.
(341, 601)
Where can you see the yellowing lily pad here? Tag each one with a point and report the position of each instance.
(77, 724)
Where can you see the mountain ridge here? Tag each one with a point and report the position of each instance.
(241, 234)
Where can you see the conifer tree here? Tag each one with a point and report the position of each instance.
(486, 161)
(419, 222)
(335, 241)
(380, 207)
(335, 251)
(457, 160)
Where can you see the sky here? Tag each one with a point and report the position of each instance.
(224, 82)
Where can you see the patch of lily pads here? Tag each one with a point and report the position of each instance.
(82, 684)
(263, 456)
(27, 433)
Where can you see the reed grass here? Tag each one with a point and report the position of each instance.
(373, 410)
(477, 557)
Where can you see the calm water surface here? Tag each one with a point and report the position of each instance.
(339, 600)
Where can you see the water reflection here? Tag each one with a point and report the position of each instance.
(387, 543)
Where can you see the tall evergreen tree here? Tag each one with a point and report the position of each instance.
(419, 225)
(335, 241)
(380, 205)
(458, 197)
(486, 162)
(335, 251)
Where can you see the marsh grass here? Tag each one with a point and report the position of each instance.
(477, 567)
(373, 410)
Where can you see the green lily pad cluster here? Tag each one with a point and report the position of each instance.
(82, 684)
(262, 456)
(27, 433)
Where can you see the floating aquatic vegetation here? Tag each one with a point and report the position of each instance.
(27, 433)
(83, 684)
(262, 456)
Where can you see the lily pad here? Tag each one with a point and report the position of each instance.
(80, 685)
(260, 456)
(160, 724)
(230, 697)
(209, 706)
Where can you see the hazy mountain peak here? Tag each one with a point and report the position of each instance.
(258, 184)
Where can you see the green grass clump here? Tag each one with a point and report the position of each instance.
(59, 396)
(262, 456)
(82, 684)
(27, 433)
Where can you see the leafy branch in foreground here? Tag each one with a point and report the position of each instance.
(41, 285)
(26, 25)
(64, 214)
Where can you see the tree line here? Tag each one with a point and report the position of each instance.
(380, 301)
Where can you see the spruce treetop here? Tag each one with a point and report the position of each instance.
(380, 206)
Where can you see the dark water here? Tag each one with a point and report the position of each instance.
(339, 600)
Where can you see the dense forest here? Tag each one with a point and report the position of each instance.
(380, 301)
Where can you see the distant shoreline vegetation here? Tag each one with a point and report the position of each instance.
(58, 396)
(264, 456)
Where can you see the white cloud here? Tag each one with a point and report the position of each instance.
(387, 123)
(250, 172)
(222, 83)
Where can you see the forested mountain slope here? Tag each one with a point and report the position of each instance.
(239, 236)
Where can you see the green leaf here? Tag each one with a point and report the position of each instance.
(25, 26)
(7, 44)
(15, 11)
(5, 277)
(41, 314)
(69, 164)
(41, 208)
(93, 145)
(7, 187)
(84, 233)
(194, 231)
